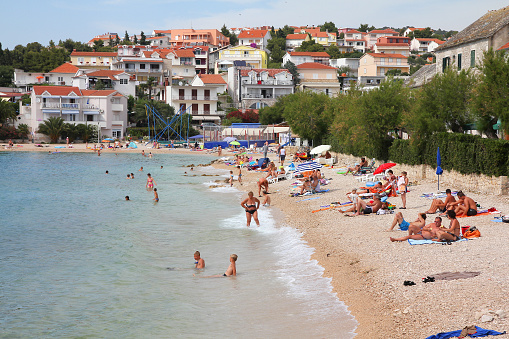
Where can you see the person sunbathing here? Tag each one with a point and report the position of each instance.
(306, 186)
(438, 204)
(427, 232)
(453, 232)
(464, 205)
(364, 207)
(357, 167)
(405, 225)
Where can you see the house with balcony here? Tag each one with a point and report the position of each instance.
(183, 64)
(304, 57)
(351, 63)
(393, 45)
(412, 29)
(117, 80)
(295, 40)
(318, 78)
(190, 37)
(465, 49)
(140, 69)
(258, 88)
(354, 34)
(374, 66)
(198, 98)
(372, 36)
(356, 45)
(245, 55)
(106, 109)
(133, 50)
(93, 60)
(105, 38)
(255, 38)
(425, 45)
(60, 76)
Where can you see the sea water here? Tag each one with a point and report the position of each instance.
(77, 260)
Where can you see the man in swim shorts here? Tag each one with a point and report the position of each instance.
(405, 225)
(156, 196)
(464, 205)
(198, 261)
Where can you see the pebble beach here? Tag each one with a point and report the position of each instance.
(368, 270)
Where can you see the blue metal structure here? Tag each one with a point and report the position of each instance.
(156, 121)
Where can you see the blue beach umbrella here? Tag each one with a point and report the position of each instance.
(439, 169)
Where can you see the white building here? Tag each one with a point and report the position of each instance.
(257, 37)
(425, 45)
(351, 63)
(106, 109)
(257, 88)
(117, 80)
(198, 98)
(298, 58)
(60, 76)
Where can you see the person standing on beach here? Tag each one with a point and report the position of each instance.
(239, 177)
(67, 141)
(282, 155)
(198, 261)
(219, 151)
(251, 205)
(402, 186)
(265, 149)
(150, 182)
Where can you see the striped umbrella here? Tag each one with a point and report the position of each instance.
(308, 166)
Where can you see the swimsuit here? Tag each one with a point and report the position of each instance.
(404, 225)
(456, 238)
(368, 210)
(149, 183)
(224, 275)
(250, 211)
(471, 212)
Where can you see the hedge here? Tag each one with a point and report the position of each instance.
(464, 153)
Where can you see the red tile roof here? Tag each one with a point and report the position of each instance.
(296, 36)
(312, 30)
(387, 55)
(395, 44)
(142, 60)
(255, 33)
(314, 65)
(65, 68)
(312, 54)
(105, 73)
(431, 39)
(57, 90)
(320, 35)
(183, 53)
(94, 54)
(97, 93)
(380, 31)
(355, 40)
(416, 29)
(272, 71)
(212, 79)
(354, 31)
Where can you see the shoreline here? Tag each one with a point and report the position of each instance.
(368, 271)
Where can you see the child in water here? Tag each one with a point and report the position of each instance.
(156, 196)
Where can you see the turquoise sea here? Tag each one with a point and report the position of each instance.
(78, 261)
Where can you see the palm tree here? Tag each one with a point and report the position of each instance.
(23, 131)
(53, 127)
(87, 132)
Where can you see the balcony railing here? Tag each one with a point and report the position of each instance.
(197, 97)
(391, 64)
(142, 70)
(186, 63)
(259, 96)
(274, 82)
(205, 112)
(58, 105)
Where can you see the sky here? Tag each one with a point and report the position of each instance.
(42, 21)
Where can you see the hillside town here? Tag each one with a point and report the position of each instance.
(208, 73)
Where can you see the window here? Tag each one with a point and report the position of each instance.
(142, 66)
(390, 60)
(72, 117)
(124, 81)
(60, 79)
(398, 61)
(106, 60)
(116, 133)
(81, 60)
(459, 61)
(329, 76)
(445, 63)
(154, 67)
(315, 76)
(472, 58)
(246, 53)
(382, 61)
(365, 71)
(93, 59)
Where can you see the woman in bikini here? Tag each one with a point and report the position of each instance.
(251, 205)
(150, 182)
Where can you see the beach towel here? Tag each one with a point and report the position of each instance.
(488, 211)
(455, 275)
(481, 332)
(426, 242)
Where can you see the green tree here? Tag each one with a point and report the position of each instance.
(139, 116)
(117, 40)
(6, 76)
(329, 26)
(492, 93)
(87, 132)
(98, 44)
(442, 104)
(99, 85)
(23, 131)
(294, 71)
(305, 113)
(274, 114)
(70, 131)
(7, 111)
(287, 30)
(310, 46)
(230, 121)
(126, 38)
(341, 35)
(53, 128)
(333, 51)
(277, 55)
(365, 28)
(425, 33)
(233, 38)
(143, 39)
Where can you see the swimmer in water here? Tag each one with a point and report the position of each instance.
(141, 169)
(230, 271)
(107, 172)
(132, 175)
(156, 196)
(128, 176)
(251, 205)
(198, 261)
(150, 182)
(126, 198)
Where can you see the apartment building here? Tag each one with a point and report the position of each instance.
(93, 60)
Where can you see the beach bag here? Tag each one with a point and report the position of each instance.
(472, 232)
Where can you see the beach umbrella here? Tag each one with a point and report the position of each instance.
(235, 143)
(439, 169)
(229, 139)
(320, 149)
(308, 166)
(384, 167)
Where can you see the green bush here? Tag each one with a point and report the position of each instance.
(464, 153)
